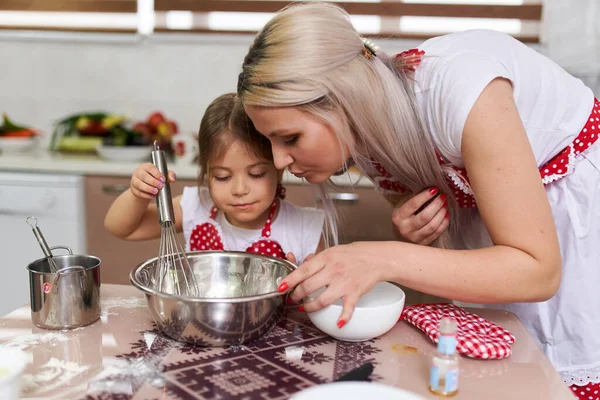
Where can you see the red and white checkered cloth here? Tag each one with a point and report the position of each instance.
(476, 337)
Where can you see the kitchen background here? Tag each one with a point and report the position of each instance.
(152, 64)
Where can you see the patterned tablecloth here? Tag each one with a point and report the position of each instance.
(124, 357)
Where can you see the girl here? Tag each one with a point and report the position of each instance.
(241, 207)
(472, 131)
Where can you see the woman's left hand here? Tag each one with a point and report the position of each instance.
(348, 271)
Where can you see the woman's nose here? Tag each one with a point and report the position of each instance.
(281, 159)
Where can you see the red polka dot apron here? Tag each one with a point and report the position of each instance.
(458, 179)
(207, 236)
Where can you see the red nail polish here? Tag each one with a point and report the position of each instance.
(433, 190)
(283, 287)
(341, 323)
(447, 214)
(443, 197)
(301, 309)
(445, 204)
(289, 300)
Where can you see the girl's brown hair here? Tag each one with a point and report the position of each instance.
(219, 128)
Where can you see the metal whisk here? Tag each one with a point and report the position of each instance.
(33, 223)
(173, 273)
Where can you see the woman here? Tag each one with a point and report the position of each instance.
(486, 147)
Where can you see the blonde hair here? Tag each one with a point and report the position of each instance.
(310, 56)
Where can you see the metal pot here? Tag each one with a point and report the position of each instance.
(239, 300)
(69, 298)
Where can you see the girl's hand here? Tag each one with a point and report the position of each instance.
(419, 222)
(147, 180)
(348, 271)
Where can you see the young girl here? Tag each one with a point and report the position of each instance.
(474, 132)
(241, 208)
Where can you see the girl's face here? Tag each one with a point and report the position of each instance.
(243, 186)
(306, 146)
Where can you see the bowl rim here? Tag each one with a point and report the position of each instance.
(403, 299)
(149, 291)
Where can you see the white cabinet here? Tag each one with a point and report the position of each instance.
(57, 201)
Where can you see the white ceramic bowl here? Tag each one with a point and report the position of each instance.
(354, 391)
(12, 364)
(376, 312)
(124, 153)
(13, 145)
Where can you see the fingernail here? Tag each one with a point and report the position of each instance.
(341, 323)
(446, 204)
(160, 185)
(162, 178)
(447, 214)
(443, 197)
(301, 309)
(283, 287)
(290, 301)
(154, 190)
(433, 190)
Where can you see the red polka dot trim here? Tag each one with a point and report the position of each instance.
(205, 237)
(562, 163)
(266, 247)
(591, 391)
(410, 58)
(458, 179)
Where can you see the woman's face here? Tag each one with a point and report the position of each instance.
(309, 148)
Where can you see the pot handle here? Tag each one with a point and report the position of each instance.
(64, 248)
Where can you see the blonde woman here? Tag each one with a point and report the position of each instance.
(486, 147)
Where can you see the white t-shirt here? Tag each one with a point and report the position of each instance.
(297, 229)
(455, 69)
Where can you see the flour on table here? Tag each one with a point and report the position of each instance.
(22, 342)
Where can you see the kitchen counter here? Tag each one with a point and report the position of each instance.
(48, 162)
(122, 356)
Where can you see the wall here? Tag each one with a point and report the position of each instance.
(46, 76)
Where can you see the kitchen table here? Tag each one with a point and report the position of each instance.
(123, 356)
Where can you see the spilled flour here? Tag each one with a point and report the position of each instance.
(51, 375)
(120, 302)
(126, 376)
(22, 342)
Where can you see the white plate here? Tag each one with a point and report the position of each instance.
(354, 391)
(125, 153)
(9, 145)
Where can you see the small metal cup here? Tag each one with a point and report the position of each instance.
(69, 298)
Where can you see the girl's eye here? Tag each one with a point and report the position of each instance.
(257, 176)
(290, 140)
(221, 178)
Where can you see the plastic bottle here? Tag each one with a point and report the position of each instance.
(443, 379)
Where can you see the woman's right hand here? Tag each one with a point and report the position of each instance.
(422, 226)
(147, 180)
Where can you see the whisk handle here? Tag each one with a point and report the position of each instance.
(42, 241)
(164, 201)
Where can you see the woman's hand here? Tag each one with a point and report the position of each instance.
(348, 271)
(419, 222)
(147, 181)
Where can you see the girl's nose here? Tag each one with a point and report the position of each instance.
(239, 187)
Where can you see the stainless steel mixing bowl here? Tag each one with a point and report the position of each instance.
(238, 299)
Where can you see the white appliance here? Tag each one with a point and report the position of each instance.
(57, 201)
